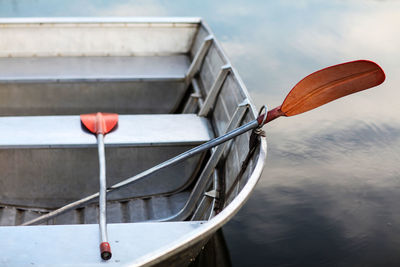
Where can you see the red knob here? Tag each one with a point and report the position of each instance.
(105, 251)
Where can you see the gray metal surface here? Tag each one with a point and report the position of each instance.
(101, 20)
(80, 37)
(214, 91)
(195, 101)
(77, 245)
(232, 92)
(198, 59)
(132, 130)
(71, 98)
(124, 211)
(74, 85)
(60, 176)
(78, 69)
(58, 159)
(203, 181)
(190, 241)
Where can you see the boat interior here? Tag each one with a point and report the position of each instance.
(173, 89)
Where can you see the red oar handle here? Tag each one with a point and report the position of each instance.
(271, 115)
(105, 250)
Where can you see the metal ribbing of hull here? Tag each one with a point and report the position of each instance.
(131, 210)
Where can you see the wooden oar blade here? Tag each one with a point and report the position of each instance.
(332, 83)
(99, 123)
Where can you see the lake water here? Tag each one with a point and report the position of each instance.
(330, 192)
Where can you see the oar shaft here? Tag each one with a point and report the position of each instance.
(196, 150)
(102, 191)
(104, 246)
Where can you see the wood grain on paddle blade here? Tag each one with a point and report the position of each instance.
(330, 84)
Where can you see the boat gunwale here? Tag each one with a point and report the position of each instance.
(45, 79)
(101, 20)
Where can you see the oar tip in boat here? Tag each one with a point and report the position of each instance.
(99, 123)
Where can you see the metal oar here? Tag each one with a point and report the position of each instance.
(313, 91)
(100, 124)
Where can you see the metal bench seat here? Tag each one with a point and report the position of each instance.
(48, 161)
(62, 69)
(74, 85)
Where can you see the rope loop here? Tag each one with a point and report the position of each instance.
(259, 131)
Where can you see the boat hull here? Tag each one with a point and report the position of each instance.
(140, 68)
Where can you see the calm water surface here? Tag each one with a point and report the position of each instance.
(330, 192)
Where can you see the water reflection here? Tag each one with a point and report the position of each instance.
(306, 226)
(330, 191)
(328, 197)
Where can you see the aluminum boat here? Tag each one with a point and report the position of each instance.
(173, 88)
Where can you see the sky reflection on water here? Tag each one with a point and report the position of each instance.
(330, 191)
